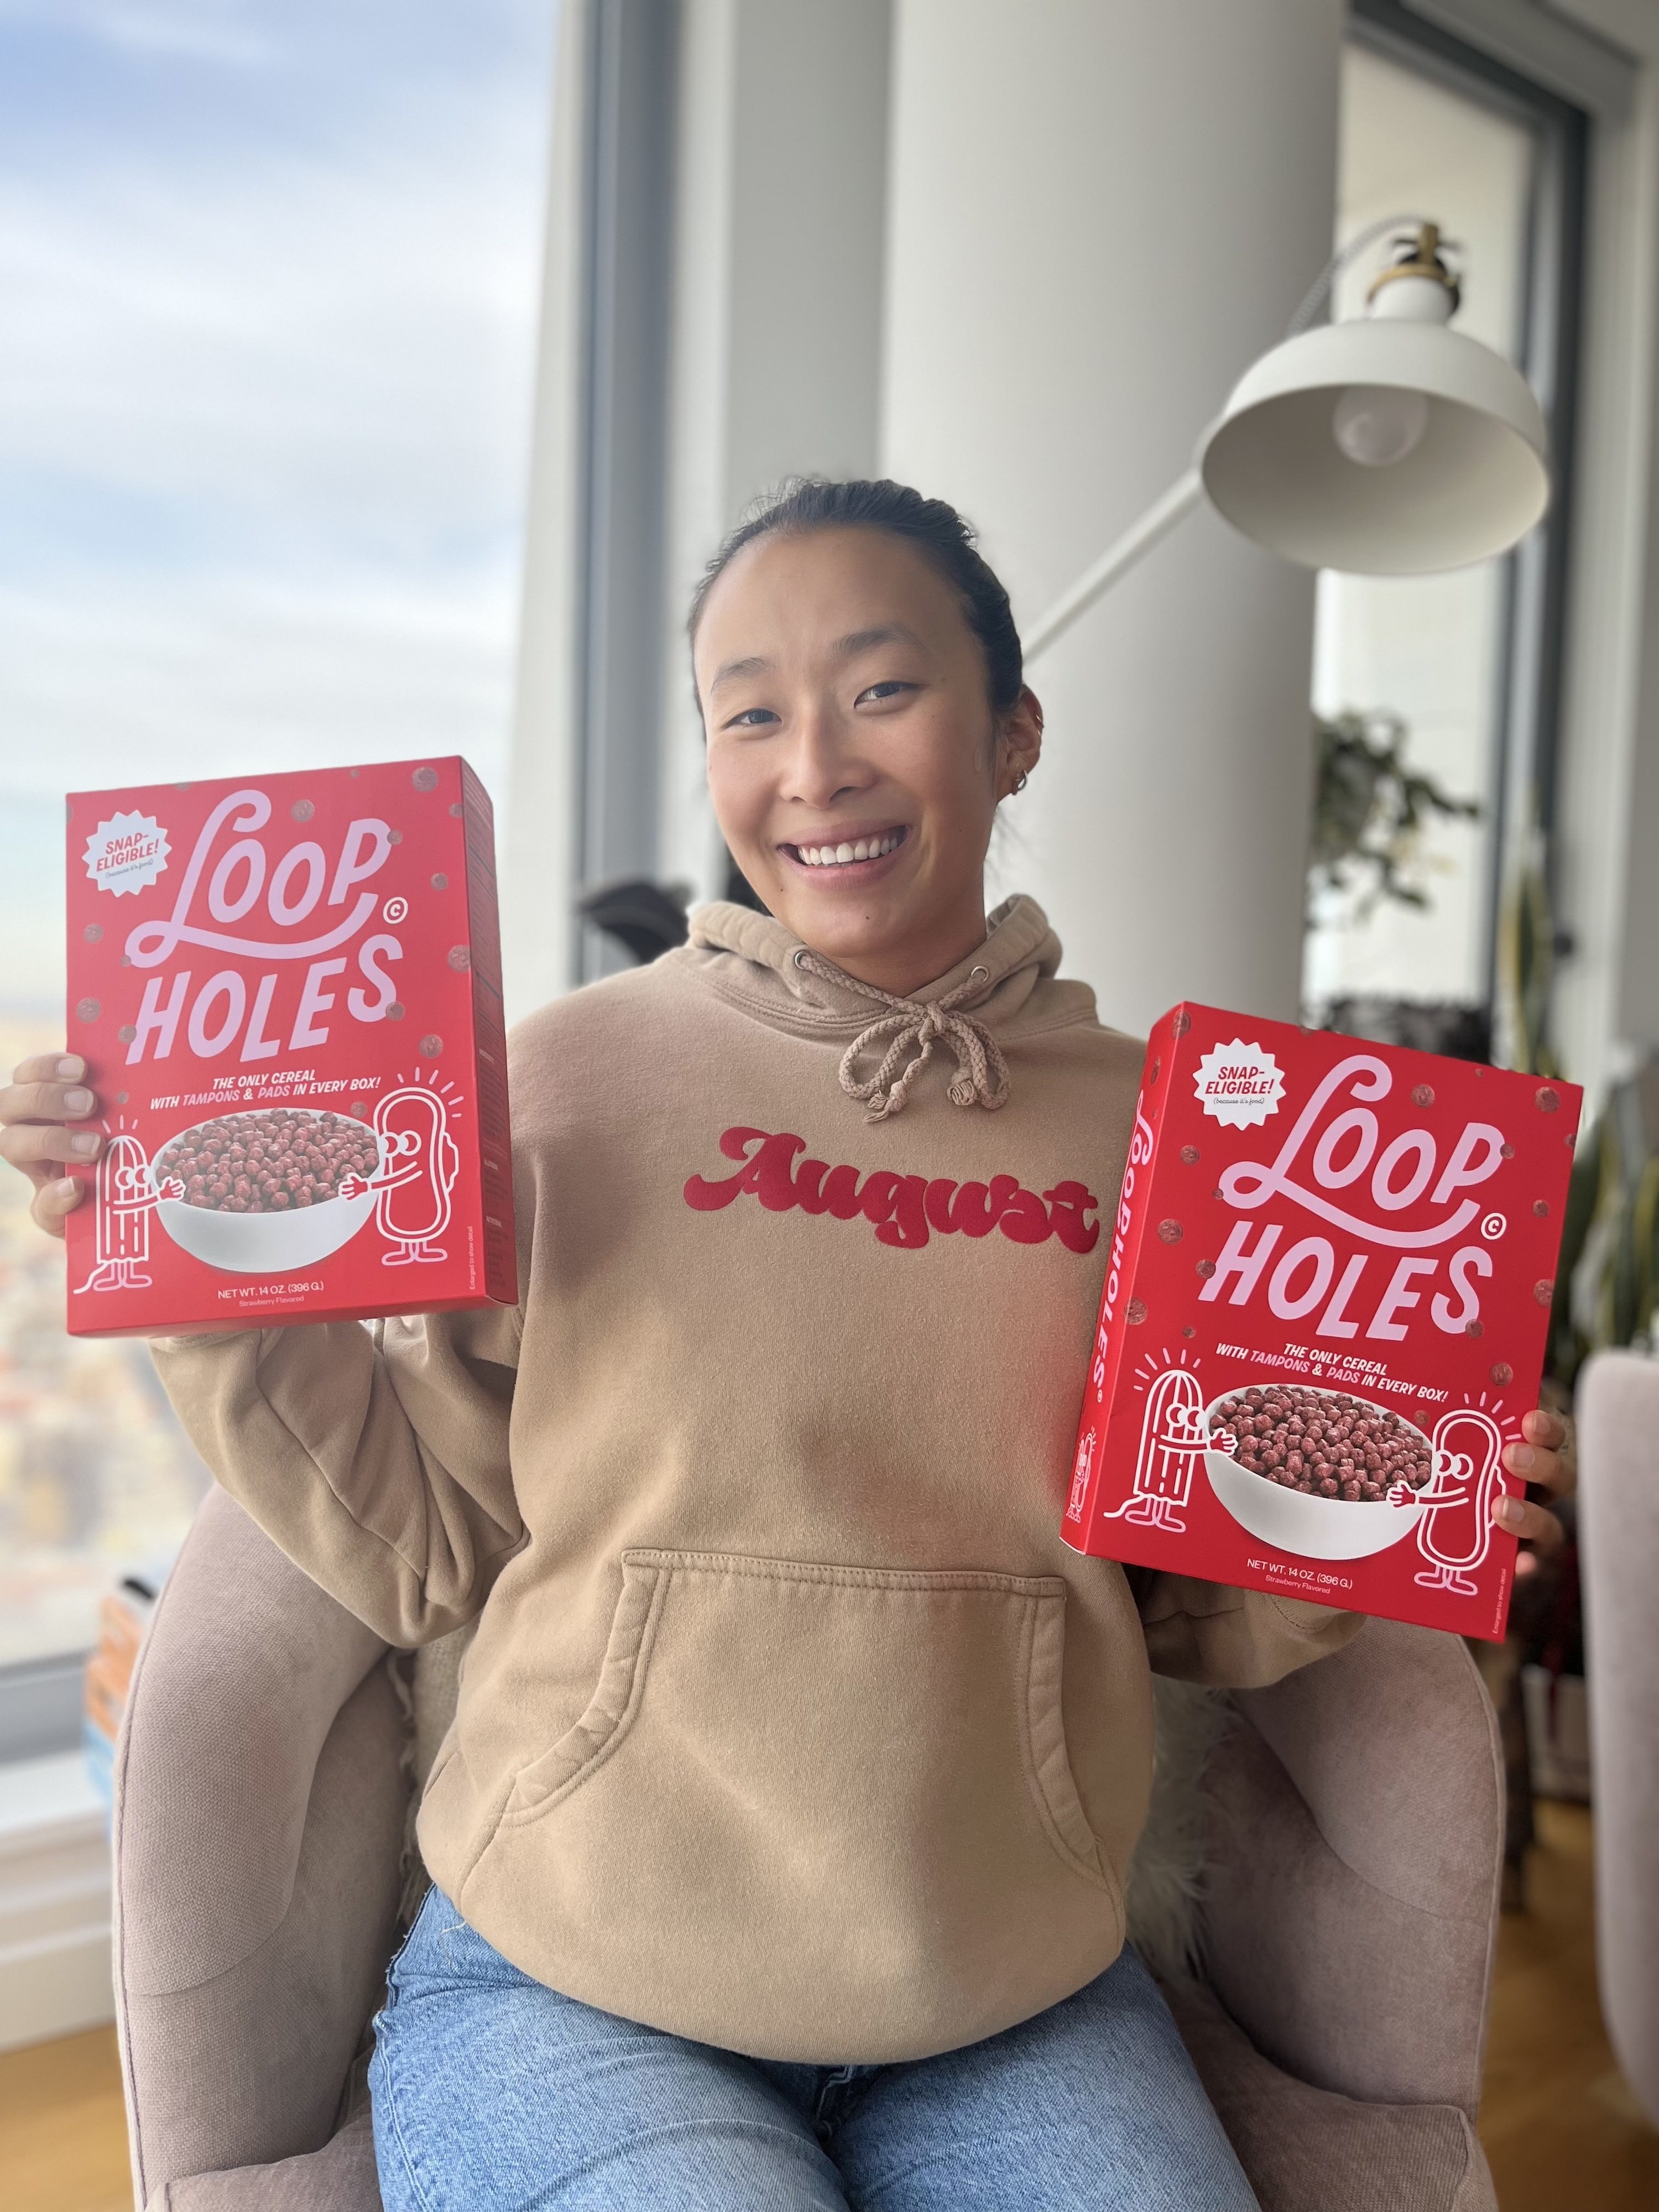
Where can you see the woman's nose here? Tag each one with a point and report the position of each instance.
(822, 769)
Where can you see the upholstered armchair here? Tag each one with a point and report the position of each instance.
(1352, 1828)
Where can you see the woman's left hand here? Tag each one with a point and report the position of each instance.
(1540, 1460)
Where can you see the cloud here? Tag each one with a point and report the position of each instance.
(272, 288)
(226, 35)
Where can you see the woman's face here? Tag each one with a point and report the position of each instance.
(846, 705)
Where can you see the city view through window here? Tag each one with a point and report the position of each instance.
(265, 395)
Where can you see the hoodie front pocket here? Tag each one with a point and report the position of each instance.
(854, 1779)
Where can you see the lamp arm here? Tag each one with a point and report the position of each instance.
(1160, 518)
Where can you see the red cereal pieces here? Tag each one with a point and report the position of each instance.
(1323, 1442)
(265, 1163)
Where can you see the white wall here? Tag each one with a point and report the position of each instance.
(1100, 211)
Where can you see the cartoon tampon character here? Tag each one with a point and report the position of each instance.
(1173, 1440)
(123, 1197)
(1456, 1530)
(420, 1161)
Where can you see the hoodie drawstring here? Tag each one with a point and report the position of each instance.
(914, 1025)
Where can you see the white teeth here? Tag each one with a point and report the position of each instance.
(831, 856)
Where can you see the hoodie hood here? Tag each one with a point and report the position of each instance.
(754, 959)
(749, 958)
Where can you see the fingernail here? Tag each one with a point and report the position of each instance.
(85, 1141)
(71, 1070)
(67, 1187)
(1521, 1457)
(1510, 1510)
(77, 1101)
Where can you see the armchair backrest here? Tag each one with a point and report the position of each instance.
(1357, 1848)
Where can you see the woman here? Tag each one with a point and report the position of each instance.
(780, 1835)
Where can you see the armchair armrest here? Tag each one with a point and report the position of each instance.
(258, 1823)
(1356, 1841)
(1618, 1543)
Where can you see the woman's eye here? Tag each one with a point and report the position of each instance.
(883, 691)
(752, 718)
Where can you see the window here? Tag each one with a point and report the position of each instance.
(266, 373)
(1468, 662)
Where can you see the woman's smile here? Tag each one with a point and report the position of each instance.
(846, 854)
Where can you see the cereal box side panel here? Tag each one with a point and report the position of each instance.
(490, 1020)
(1151, 1435)
(423, 1251)
(1080, 1526)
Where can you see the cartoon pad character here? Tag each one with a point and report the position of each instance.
(1455, 1531)
(420, 1161)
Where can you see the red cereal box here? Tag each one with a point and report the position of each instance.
(1327, 1293)
(287, 991)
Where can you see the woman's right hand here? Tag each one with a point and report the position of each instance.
(44, 1094)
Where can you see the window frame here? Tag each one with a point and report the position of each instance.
(40, 1706)
(1530, 709)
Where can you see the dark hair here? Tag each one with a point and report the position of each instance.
(938, 533)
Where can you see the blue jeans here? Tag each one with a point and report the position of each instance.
(494, 2094)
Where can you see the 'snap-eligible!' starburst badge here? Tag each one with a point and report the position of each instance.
(127, 853)
(1239, 1085)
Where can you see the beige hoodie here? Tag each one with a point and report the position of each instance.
(790, 1723)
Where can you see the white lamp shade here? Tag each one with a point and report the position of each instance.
(1474, 482)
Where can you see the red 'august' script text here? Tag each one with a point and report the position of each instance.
(905, 1209)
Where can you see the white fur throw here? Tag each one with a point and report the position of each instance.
(1165, 1896)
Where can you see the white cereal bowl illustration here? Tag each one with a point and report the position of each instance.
(267, 1244)
(1311, 1528)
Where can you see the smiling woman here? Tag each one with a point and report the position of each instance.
(860, 681)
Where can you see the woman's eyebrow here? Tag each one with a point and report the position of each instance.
(862, 641)
(756, 664)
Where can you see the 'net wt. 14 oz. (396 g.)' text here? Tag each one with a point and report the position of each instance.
(287, 991)
(1327, 1298)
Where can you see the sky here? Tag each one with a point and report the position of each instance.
(270, 272)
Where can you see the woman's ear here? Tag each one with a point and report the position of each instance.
(1021, 743)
